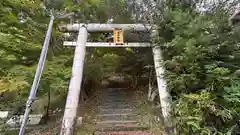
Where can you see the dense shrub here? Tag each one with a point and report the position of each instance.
(201, 56)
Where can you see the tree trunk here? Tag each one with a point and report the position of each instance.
(45, 118)
(150, 85)
(149, 89)
(153, 95)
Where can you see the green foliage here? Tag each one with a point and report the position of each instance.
(192, 119)
(232, 94)
(200, 53)
(21, 45)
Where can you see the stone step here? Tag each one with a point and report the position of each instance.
(118, 95)
(116, 106)
(128, 97)
(124, 98)
(118, 100)
(120, 127)
(117, 92)
(116, 122)
(123, 133)
(118, 103)
(119, 117)
(116, 111)
(111, 89)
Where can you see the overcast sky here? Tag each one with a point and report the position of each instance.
(204, 6)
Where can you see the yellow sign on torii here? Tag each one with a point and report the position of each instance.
(118, 36)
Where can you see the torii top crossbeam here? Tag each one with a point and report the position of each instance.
(96, 27)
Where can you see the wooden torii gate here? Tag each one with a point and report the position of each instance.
(78, 64)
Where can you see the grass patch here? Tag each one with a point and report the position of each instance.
(148, 114)
(88, 112)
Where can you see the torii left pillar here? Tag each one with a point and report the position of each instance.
(75, 83)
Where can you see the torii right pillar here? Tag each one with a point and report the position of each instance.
(165, 98)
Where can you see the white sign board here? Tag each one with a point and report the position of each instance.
(17, 120)
(3, 114)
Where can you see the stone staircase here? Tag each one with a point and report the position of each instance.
(118, 114)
